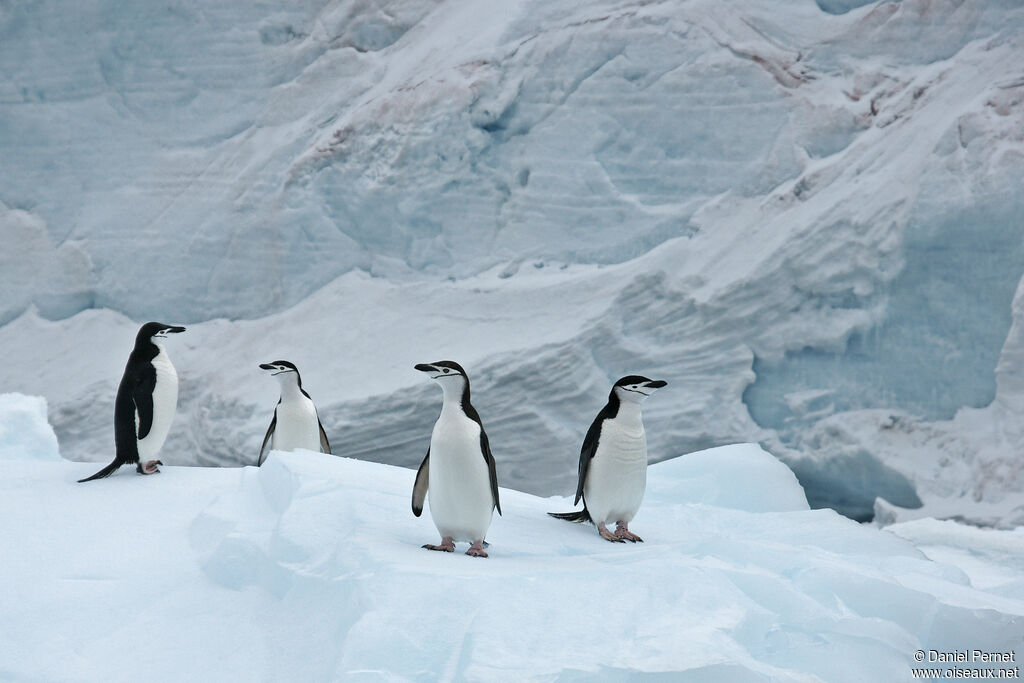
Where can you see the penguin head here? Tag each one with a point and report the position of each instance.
(284, 370)
(444, 372)
(636, 388)
(156, 333)
(452, 378)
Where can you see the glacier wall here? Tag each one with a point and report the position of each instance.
(804, 216)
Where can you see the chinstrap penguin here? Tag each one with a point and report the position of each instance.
(613, 461)
(295, 423)
(458, 469)
(146, 401)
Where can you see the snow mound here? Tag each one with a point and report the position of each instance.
(309, 568)
(25, 433)
(739, 477)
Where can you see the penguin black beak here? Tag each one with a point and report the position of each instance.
(423, 367)
(267, 366)
(656, 384)
(176, 329)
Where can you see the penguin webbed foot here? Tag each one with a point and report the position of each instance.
(447, 545)
(622, 531)
(149, 467)
(607, 535)
(477, 550)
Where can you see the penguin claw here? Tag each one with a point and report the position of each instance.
(442, 548)
(447, 546)
(609, 536)
(622, 531)
(476, 550)
(150, 467)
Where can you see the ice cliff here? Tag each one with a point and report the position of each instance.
(805, 216)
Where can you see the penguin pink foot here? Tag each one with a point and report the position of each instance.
(447, 545)
(149, 467)
(608, 535)
(476, 550)
(622, 531)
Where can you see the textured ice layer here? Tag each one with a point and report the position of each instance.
(310, 568)
(794, 212)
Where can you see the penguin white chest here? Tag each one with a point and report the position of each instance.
(617, 475)
(459, 491)
(165, 403)
(297, 426)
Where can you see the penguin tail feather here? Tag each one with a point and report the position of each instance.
(105, 472)
(579, 516)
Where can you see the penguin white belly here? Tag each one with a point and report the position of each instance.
(165, 403)
(617, 475)
(297, 427)
(459, 491)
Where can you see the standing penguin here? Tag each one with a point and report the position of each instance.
(613, 461)
(146, 401)
(295, 423)
(458, 468)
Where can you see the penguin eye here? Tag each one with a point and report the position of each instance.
(446, 370)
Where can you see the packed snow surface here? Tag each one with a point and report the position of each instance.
(310, 568)
(805, 216)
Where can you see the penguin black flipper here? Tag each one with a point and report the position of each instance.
(266, 439)
(590, 447)
(587, 451)
(419, 489)
(325, 445)
(126, 411)
(105, 472)
(142, 395)
(492, 473)
(485, 448)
